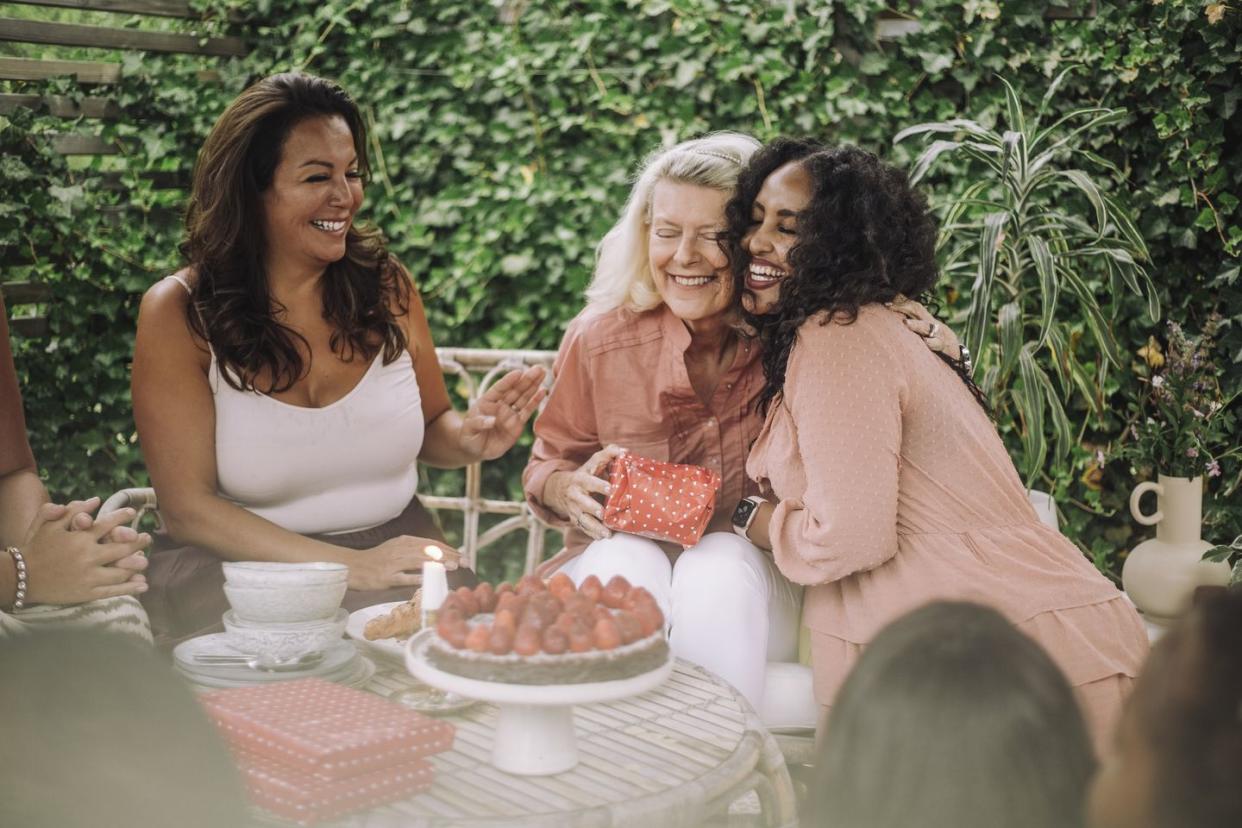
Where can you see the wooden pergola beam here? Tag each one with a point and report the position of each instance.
(98, 37)
(83, 71)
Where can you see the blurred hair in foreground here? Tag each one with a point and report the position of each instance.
(952, 718)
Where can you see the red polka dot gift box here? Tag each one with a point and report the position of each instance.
(662, 501)
(311, 749)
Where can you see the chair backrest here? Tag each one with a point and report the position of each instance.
(476, 370)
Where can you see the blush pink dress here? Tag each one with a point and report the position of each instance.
(895, 489)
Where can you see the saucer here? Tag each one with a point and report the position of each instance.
(340, 659)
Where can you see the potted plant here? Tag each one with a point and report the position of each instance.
(1181, 429)
(1042, 231)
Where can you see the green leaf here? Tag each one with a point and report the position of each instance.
(1084, 183)
(1050, 94)
(1098, 117)
(929, 156)
(1049, 287)
(1009, 322)
(953, 126)
(1060, 421)
(981, 292)
(1028, 398)
(1012, 144)
(1095, 319)
(1013, 107)
(1206, 220)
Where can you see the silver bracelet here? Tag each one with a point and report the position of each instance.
(19, 600)
(963, 357)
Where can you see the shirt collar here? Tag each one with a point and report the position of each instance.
(675, 331)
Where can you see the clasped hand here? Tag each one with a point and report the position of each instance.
(72, 558)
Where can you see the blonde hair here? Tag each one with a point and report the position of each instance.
(622, 276)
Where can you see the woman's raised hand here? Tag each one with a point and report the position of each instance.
(397, 562)
(494, 423)
(569, 493)
(69, 564)
(936, 335)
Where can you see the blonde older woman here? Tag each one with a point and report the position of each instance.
(655, 365)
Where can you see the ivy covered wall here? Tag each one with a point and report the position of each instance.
(504, 136)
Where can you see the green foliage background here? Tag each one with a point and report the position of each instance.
(505, 134)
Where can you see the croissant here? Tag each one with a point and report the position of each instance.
(401, 621)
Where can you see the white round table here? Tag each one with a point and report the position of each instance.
(535, 728)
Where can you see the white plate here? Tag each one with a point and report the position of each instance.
(337, 660)
(357, 674)
(392, 649)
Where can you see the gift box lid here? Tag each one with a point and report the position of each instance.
(324, 729)
(305, 798)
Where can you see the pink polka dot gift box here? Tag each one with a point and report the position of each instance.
(312, 749)
(307, 799)
(663, 501)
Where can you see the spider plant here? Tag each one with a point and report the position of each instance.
(1044, 238)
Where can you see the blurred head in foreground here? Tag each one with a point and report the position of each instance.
(1176, 761)
(953, 718)
(98, 731)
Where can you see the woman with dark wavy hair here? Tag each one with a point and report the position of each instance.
(285, 381)
(886, 483)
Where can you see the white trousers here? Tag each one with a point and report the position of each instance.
(728, 607)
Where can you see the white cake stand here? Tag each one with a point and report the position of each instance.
(535, 731)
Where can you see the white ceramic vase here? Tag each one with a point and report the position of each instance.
(1160, 575)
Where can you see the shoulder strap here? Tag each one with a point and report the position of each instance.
(181, 281)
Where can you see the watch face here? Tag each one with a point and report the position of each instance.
(742, 513)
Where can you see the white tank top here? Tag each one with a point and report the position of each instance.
(346, 466)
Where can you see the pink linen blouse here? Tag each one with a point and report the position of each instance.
(895, 489)
(620, 377)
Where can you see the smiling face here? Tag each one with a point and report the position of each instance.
(316, 189)
(773, 233)
(688, 265)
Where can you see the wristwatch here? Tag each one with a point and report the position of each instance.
(963, 357)
(744, 514)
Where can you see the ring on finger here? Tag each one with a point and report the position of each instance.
(931, 332)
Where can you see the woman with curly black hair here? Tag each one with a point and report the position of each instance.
(886, 484)
(285, 381)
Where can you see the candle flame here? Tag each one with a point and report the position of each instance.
(433, 552)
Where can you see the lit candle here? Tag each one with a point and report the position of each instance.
(435, 584)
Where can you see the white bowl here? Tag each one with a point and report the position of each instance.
(285, 604)
(272, 574)
(283, 641)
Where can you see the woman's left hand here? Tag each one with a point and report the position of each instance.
(494, 423)
(936, 335)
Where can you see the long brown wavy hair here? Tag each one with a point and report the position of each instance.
(231, 306)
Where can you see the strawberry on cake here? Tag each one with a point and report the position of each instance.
(554, 633)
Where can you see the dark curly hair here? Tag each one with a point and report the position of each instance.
(231, 305)
(865, 237)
